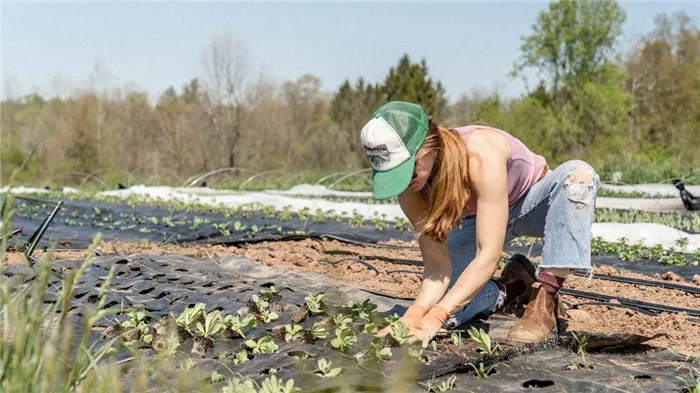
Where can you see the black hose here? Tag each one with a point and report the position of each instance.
(638, 281)
(629, 302)
(360, 261)
(607, 304)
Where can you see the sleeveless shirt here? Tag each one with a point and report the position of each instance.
(524, 168)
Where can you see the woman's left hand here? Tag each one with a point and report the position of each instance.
(429, 326)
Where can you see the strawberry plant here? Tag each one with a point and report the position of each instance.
(344, 339)
(314, 304)
(319, 331)
(292, 332)
(238, 324)
(264, 345)
(325, 370)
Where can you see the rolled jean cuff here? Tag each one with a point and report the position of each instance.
(490, 298)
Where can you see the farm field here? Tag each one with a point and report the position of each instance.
(270, 291)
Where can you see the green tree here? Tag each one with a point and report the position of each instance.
(570, 43)
(411, 82)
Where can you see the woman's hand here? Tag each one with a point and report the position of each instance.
(411, 318)
(429, 326)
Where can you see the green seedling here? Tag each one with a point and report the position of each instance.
(443, 386)
(356, 221)
(136, 320)
(286, 213)
(483, 341)
(303, 213)
(213, 324)
(584, 364)
(392, 319)
(269, 316)
(344, 339)
(292, 332)
(370, 328)
(379, 354)
(264, 345)
(415, 353)
(481, 371)
(239, 324)
(364, 310)
(235, 385)
(325, 370)
(190, 315)
(196, 223)
(270, 292)
(401, 332)
(240, 357)
(319, 331)
(341, 320)
(379, 222)
(260, 304)
(313, 303)
(318, 216)
(456, 339)
(274, 385)
(216, 377)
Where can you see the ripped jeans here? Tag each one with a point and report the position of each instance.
(558, 208)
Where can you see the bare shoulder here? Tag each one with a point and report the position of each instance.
(486, 143)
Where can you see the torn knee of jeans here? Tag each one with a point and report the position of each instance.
(579, 187)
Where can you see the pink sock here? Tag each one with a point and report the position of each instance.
(550, 282)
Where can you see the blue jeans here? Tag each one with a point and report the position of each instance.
(554, 209)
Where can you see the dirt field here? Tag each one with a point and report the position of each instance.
(682, 334)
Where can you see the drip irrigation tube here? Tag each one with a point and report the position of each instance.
(638, 281)
(629, 302)
(369, 266)
(36, 237)
(607, 304)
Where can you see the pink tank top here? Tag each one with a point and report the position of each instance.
(524, 167)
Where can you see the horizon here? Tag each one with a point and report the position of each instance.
(154, 46)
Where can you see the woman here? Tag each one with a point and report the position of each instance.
(467, 191)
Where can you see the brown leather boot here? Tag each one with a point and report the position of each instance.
(518, 267)
(539, 320)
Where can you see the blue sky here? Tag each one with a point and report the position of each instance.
(53, 46)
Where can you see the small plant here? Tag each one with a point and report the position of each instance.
(286, 213)
(325, 370)
(274, 385)
(136, 324)
(443, 386)
(341, 320)
(481, 371)
(344, 339)
(356, 221)
(260, 304)
(456, 339)
(238, 324)
(314, 304)
(269, 316)
(241, 357)
(303, 213)
(380, 354)
(318, 216)
(401, 332)
(271, 292)
(236, 386)
(585, 364)
(483, 341)
(415, 353)
(319, 331)
(264, 345)
(213, 324)
(292, 332)
(379, 222)
(190, 316)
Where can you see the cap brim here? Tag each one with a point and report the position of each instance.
(391, 183)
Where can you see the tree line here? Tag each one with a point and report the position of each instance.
(635, 111)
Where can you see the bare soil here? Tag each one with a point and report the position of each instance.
(682, 334)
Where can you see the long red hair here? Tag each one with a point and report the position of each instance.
(448, 184)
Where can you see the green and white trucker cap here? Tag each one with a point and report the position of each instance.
(391, 140)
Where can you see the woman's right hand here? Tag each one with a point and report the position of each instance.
(411, 318)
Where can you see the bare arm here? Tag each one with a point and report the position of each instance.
(436, 258)
(488, 175)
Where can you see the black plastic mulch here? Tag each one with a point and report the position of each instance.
(162, 285)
